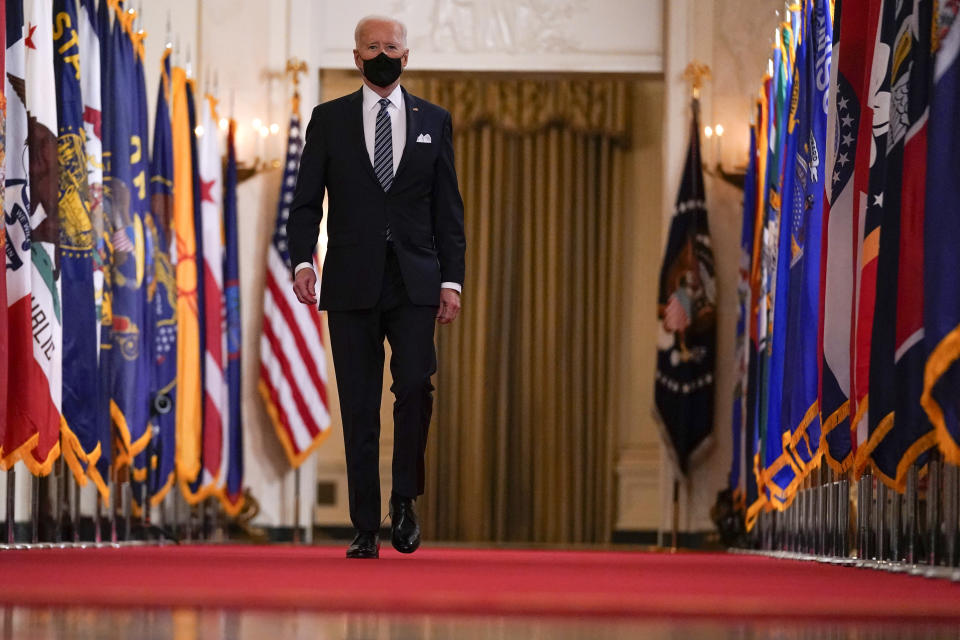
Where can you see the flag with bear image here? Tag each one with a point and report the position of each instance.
(33, 419)
(686, 309)
(4, 334)
(21, 410)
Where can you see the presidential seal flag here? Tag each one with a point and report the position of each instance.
(941, 383)
(686, 309)
(293, 364)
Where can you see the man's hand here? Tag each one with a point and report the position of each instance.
(449, 306)
(304, 285)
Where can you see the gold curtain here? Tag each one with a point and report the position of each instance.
(521, 448)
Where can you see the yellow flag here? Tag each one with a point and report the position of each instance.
(189, 398)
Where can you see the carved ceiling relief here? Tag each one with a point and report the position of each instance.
(501, 26)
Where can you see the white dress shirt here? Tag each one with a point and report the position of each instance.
(398, 128)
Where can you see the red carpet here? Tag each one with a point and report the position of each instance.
(471, 581)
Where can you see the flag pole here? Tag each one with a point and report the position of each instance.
(11, 504)
(35, 509)
(295, 67)
(76, 512)
(97, 517)
(296, 506)
(676, 513)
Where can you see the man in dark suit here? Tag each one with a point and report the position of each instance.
(394, 266)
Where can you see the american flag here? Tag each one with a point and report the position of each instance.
(293, 364)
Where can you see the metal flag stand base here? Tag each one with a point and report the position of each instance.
(296, 506)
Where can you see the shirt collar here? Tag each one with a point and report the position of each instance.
(371, 99)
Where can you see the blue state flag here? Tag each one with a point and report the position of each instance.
(801, 410)
(140, 204)
(123, 206)
(100, 471)
(941, 308)
(163, 304)
(781, 473)
(232, 497)
(80, 434)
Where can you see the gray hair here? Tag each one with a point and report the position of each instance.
(375, 18)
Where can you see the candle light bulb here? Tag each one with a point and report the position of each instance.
(257, 123)
(708, 131)
(224, 123)
(719, 129)
(274, 128)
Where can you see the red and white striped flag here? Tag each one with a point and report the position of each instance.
(293, 365)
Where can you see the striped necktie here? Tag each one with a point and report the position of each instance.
(383, 147)
(383, 152)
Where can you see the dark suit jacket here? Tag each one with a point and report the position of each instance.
(423, 206)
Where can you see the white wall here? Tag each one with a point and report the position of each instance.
(508, 35)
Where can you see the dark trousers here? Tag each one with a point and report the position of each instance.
(356, 338)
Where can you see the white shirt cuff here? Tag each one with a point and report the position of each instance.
(451, 285)
(302, 265)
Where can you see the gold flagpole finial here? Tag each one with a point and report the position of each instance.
(295, 67)
(696, 74)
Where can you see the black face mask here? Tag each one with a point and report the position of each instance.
(382, 70)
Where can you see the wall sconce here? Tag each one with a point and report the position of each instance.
(714, 136)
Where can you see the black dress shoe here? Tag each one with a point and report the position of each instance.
(404, 526)
(364, 545)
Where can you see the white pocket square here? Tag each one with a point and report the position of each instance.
(425, 138)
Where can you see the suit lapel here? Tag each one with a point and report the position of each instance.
(410, 105)
(357, 120)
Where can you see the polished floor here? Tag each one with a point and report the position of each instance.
(235, 592)
(192, 624)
